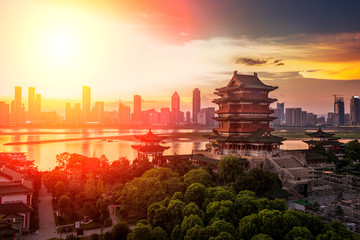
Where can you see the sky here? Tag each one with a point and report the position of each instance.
(309, 49)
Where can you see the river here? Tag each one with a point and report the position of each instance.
(44, 154)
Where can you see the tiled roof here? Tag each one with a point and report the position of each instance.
(14, 207)
(13, 188)
(149, 148)
(260, 136)
(150, 137)
(320, 133)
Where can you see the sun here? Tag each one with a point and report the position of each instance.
(61, 46)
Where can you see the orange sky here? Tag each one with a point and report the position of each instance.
(153, 48)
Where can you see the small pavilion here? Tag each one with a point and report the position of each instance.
(327, 140)
(150, 148)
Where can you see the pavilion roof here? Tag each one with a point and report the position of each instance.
(13, 188)
(232, 98)
(149, 148)
(15, 207)
(260, 136)
(150, 137)
(244, 117)
(320, 134)
(247, 81)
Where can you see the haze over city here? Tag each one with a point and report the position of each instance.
(310, 49)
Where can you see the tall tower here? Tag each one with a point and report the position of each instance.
(196, 104)
(17, 105)
(339, 111)
(355, 110)
(37, 106)
(244, 117)
(175, 107)
(137, 108)
(86, 103)
(281, 108)
(31, 104)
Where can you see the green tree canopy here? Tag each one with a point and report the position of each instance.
(199, 175)
(196, 193)
(230, 169)
(120, 231)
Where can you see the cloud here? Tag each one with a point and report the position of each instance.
(248, 61)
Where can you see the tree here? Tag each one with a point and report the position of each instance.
(223, 226)
(140, 193)
(261, 236)
(299, 233)
(223, 210)
(223, 236)
(230, 169)
(176, 233)
(120, 231)
(179, 165)
(141, 232)
(59, 189)
(175, 209)
(198, 175)
(257, 180)
(189, 222)
(192, 209)
(157, 215)
(249, 226)
(352, 150)
(169, 179)
(64, 204)
(196, 193)
(270, 222)
(159, 234)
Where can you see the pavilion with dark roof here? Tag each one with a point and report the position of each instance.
(150, 148)
(327, 140)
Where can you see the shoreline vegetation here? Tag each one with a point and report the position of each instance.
(179, 136)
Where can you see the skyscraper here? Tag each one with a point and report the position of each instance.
(31, 104)
(4, 113)
(98, 112)
(137, 108)
(281, 108)
(355, 110)
(124, 114)
(86, 103)
(37, 106)
(17, 105)
(196, 104)
(175, 107)
(339, 111)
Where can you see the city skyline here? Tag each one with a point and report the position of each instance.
(99, 44)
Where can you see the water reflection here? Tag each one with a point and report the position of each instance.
(45, 154)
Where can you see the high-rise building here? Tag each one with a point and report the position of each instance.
(17, 106)
(86, 103)
(4, 113)
(339, 111)
(137, 108)
(98, 112)
(196, 104)
(355, 110)
(330, 118)
(165, 116)
(31, 104)
(188, 117)
(293, 116)
(124, 114)
(37, 106)
(281, 110)
(175, 107)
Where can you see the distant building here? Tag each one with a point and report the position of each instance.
(165, 116)
(355, 110)
(277, 115)
(124, 114)
(303, 119)
(137, 108)
(37, 106)
(175, 108)
(18, 112)
(4, 113)
(339, 111)
(293, 116)
(188, 117)
(31, 104)
(73, 113)
(86, 103)
(312, 119)
(196, 104)
(330, 118)
(281, 107)
(98, 112)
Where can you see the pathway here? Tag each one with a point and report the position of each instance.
(47, 227)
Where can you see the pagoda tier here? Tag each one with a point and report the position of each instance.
(244, 118)
(327, 140)
(150, 148)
